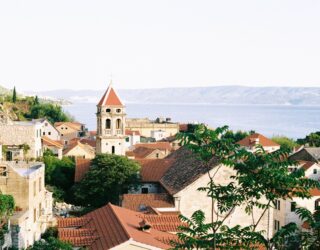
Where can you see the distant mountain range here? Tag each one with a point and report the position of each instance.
(220, 95)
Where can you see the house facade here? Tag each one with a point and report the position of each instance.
(15, 135)
(48, 130)
(70, 130)
(33, 215)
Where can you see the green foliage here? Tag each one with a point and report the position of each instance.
(14, 95)
(59, 174)
(52, 112)
(6, 209)
(236, 136)
(285, 142)
(50, 244)
(36, 100)
(313, 139)
(109, 177)
(50, 232)
(256, 175)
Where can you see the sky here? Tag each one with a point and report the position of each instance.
(76, 44)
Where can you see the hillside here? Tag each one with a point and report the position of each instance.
(226, 95)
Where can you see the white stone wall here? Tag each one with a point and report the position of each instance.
(189, 200)
(20, 133)
(50, 131)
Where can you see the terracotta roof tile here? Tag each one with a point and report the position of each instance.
(47, 141)
(82, 167)
(152, 170)
(132, 132)
(72, 222)
(142, 152)
(165, 223)
(306, 164)
(110, 98)
(139, 202)
(256, 138)
(73, 125)
(155, 145)
(113, 226)
(315, 192)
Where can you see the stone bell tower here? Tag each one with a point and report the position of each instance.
(110, 124)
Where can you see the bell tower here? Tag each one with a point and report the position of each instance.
(110, 124)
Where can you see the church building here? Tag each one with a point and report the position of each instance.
(111, 124)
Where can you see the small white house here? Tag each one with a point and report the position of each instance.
(132, 138)
(49, 130)
(311, 169)
(158, 135)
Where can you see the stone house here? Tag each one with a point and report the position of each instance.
(48, 129)
(80, 150)
(33, 215)
(251, 142)
(55, 147)
(132, 138)
(15, 134)
(70, 130)
(148, 127)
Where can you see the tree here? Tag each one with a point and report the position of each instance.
(259, 180)
(108, 177)
(14, 95)
(52, 112)
(310, 239)
(59, 174)
(7, 205)
(235, 136)
(313, 139)
(285, 142)
(50, 244)
(36, 100)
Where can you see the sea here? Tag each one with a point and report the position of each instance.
(270, 120)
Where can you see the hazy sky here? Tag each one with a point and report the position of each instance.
(145, 43)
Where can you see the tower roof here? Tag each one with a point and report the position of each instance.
(110, 98)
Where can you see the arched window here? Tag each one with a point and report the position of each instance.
(317, 204)
(113, 149)
(118, 123)
(108, 110)
(108, 124)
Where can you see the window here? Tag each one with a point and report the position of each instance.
(293, 206)
(118, 124)
(44, 133)
(314, 171)
(118, 110)
(144, 190)
(108, 124)
(46, 124)
(34, 215)
(108, 110)
(157, 155)
(277, 204)
(40, 207)
(317, 204)
(40, 184)
(113, 149)
(34, 188)
(49, 133)
(3, 171)
(127, 139)
(276, 225)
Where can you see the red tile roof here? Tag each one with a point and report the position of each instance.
(165, 223)
(138, 202)
(152, 170)
(256, 138)
(110, 98)
(82, 167)
(155, 145)
(112, 225)
(74, 125)
(90, 142)
(183, 127)
(72, 222)
(47, 141)
(132, 132)
(306, 164)
(141, 152)
(315, 192)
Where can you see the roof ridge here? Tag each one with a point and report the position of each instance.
(120, 222)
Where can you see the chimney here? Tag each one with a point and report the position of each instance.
(145, 226)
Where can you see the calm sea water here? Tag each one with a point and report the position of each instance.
(292, 121)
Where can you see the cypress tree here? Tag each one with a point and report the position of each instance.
(14, 95)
